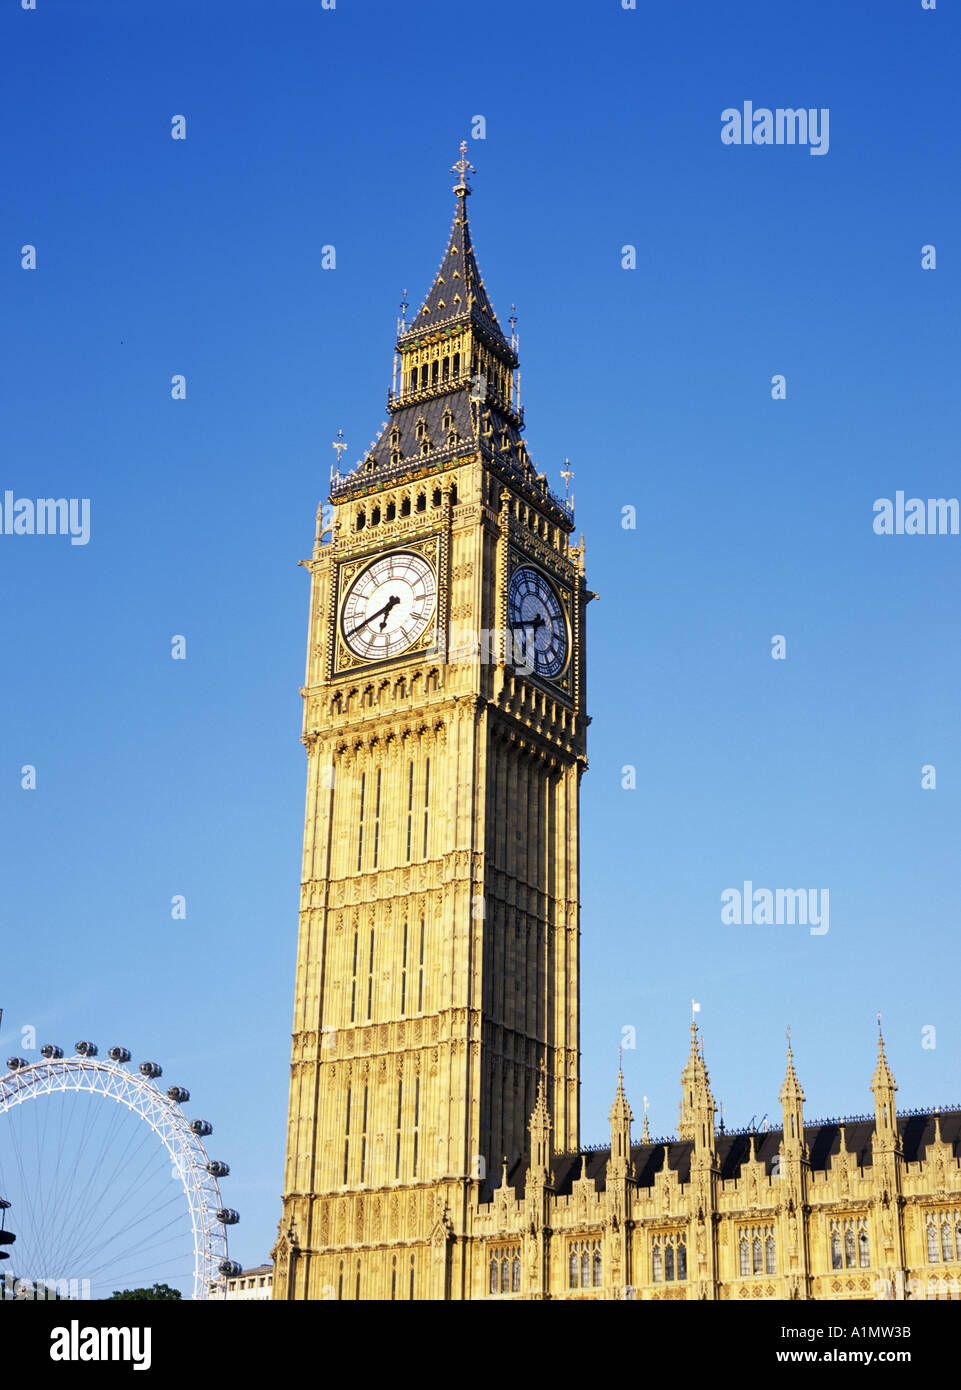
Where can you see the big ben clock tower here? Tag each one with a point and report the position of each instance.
(437, 972)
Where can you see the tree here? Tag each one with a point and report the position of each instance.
(157, 1293)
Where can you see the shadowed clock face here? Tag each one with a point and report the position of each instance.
(536, 619)
(389, 605)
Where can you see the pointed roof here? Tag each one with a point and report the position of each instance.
(620, 1110)
(791, 1090)
(458, 294)
(883, 1078)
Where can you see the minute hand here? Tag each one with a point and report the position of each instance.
(371, 616)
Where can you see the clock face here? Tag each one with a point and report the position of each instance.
(389, 605)
(537, 623)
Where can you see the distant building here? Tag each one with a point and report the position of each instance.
(249, 1283)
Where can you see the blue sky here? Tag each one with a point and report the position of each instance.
(754, 516)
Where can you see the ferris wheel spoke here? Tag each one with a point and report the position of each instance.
(91, 1185)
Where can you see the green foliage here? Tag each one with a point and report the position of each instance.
(157, 1293)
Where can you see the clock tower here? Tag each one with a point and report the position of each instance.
(436, 1000)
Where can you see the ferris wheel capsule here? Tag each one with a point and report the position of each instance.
(227, 1216)
(17, 1063)
(119, 1054)
(178, 1093)
(230, 1269)
(86, 1049)
(201, 1128)
(51, 1052)
(151, 1070)
(216, 1169)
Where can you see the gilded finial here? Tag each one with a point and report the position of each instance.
(462, 187)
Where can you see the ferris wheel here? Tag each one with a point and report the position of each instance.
(100, 1203)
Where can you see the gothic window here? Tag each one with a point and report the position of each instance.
(393, 1279)
(412, 1277)
(395, 438)
(456, 365)
(453, 495)
(657, 1261)
(584, 1264)
(932, 1243)
(757, 1251)
(426, 802)
(347, 1136)
(420, 971)
(405, 506)
(391, 511)
(413, 378)
(363, 1137)
(370, 976)
(403, 974)
(416, 1121)
(433, 372)
(446, 373)
(422, 502)
(340, 1281)
(505, 1269)
(836, 1261)
(377, 818)
(361, 519)
(421, 428)
(410, 804)
(669, 1261)
(353, 986)
(375, 517)
(447, 420)
(357, 1295)
(436, 498)
(360, 827)
(400, 1111)
(849, 1259)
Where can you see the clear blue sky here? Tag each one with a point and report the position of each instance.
(202, 257)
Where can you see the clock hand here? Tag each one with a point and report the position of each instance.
(371, 616)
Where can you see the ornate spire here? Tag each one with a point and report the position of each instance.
(792, 1102)
(620, 1117)
(697, 1103)
(458, 294)
(791, 1089)
(883, 1077)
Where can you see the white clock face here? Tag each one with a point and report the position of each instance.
(537, 623)
(389, 605)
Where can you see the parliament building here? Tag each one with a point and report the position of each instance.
(433, 1145)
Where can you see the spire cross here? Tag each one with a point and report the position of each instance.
(340, 446)
(461, 167)
(567, 474)
(403, 311)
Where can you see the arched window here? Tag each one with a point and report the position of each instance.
(668, 1260)
(756, 1255)
(932, 1243)
(361, 521)
(493, 1283)
(516, 1275)
(413, 378)
(435, 500)
(422, 502)
(446, 368)
(947, 1244)
(456, 364)
(770, 1256)
(681, 1259)
(375, 517)
(585, 1270)
(657, 1264)
(435, 367)
(572, 1270)
(393, 1279)
(597, 1269)
(836, 1260)
(340, 1281)
(505, 1276)
(405, 506)
(849, 1257)
(412, 1278)
(745, 1256)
